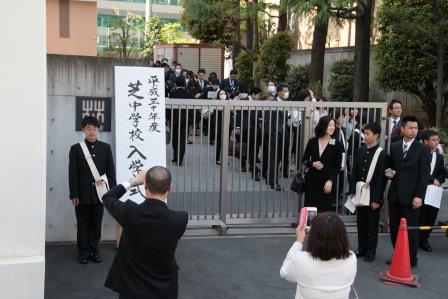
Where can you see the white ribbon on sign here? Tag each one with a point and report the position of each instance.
(140, 123)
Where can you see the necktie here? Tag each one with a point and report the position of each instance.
(395, 124)
(202, 84)
(405, 150)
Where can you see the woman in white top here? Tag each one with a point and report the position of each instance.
(328, 269)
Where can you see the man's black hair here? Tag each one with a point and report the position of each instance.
(90, 120)
(373, 127)
(233, 72)
(407, 119)
(427, 134)
(214, 81)
(158, 180)
(280, 86)
(392, 102)
(255, 90)
(201, 71)
(179, 81)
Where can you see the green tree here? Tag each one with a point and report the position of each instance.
(408, 55)
(244, 66)
(341, 81)
(274, 54)
(153, 35)
(298, 78)
(125, 30)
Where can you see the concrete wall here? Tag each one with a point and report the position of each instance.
(22, 151)
(82, 29)
(68, 77)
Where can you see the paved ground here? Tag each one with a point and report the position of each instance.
(241, 267)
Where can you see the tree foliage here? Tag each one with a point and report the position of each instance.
(298, 78)
(244, 66)
(406, 53)
(341, 81)
(125, 31)
(274, 54)
(209, 20)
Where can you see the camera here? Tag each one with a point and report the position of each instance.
(307, 215)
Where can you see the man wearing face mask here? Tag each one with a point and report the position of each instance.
(277, 131)
(271, 91)
(178, 74)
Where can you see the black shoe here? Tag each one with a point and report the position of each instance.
(256, 177)
(96, 258)
(212, 142)
(83, 260)
(277, 187)
(360, 254)
(413, 263)
(369, 258)
(286, 175)
(389, 261)
(258, 161)
(425, 246)
(243, 169)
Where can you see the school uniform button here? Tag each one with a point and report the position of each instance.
(93, 155)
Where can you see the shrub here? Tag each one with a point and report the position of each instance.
(341, 81)
(244, 65)
(298, 77)
(274, 54)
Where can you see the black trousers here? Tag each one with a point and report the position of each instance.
(367, 222)
(89, 219)
(179, 141)
(396, 212)
(428, 216)
(279, 153)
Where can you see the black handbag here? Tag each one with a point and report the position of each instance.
(298, 182)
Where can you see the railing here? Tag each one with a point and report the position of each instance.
(250, 143)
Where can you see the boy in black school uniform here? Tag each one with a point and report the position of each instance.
(368, 216)
(428, 214)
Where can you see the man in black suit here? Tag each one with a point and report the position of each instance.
(201, 85)
(368, 217)
(88, 209)
(409, 172)
(393, 125)
(145, 265)
(231, 85)
(277, 147)
(249, 132)
(438, 174)
(179, 122)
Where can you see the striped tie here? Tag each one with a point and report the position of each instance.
(405, 150)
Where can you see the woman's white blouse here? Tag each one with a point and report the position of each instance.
(316, 278)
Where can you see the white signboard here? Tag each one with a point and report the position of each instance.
(140, 123)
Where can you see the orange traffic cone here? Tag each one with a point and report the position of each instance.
(400, 268)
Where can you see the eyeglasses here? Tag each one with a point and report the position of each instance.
(91, 129)
(434, 139)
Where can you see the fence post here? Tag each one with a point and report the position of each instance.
(224, 167)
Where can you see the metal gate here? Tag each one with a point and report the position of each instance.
(229, 145)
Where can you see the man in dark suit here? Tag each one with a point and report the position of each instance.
(201, 85)
(145, 265)
(393, 125)
(179, 122)
(249, 132)
(438, 174)
(277, 147)
(368, 217)
(88, 209)
(409, 172)
(231, 85)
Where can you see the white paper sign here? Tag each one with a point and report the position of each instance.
(433, 196)
(350, 204)
(140, 123)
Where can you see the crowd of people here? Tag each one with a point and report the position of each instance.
(410, 162)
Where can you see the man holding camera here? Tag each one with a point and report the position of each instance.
(145, 265)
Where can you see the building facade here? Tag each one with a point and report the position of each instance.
(71, 27)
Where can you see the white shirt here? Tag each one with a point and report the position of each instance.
(318, 279)
(391, 123)
(409, 143)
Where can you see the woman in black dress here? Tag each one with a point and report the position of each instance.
(322, 156)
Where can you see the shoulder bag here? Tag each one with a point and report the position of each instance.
(101, 182)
